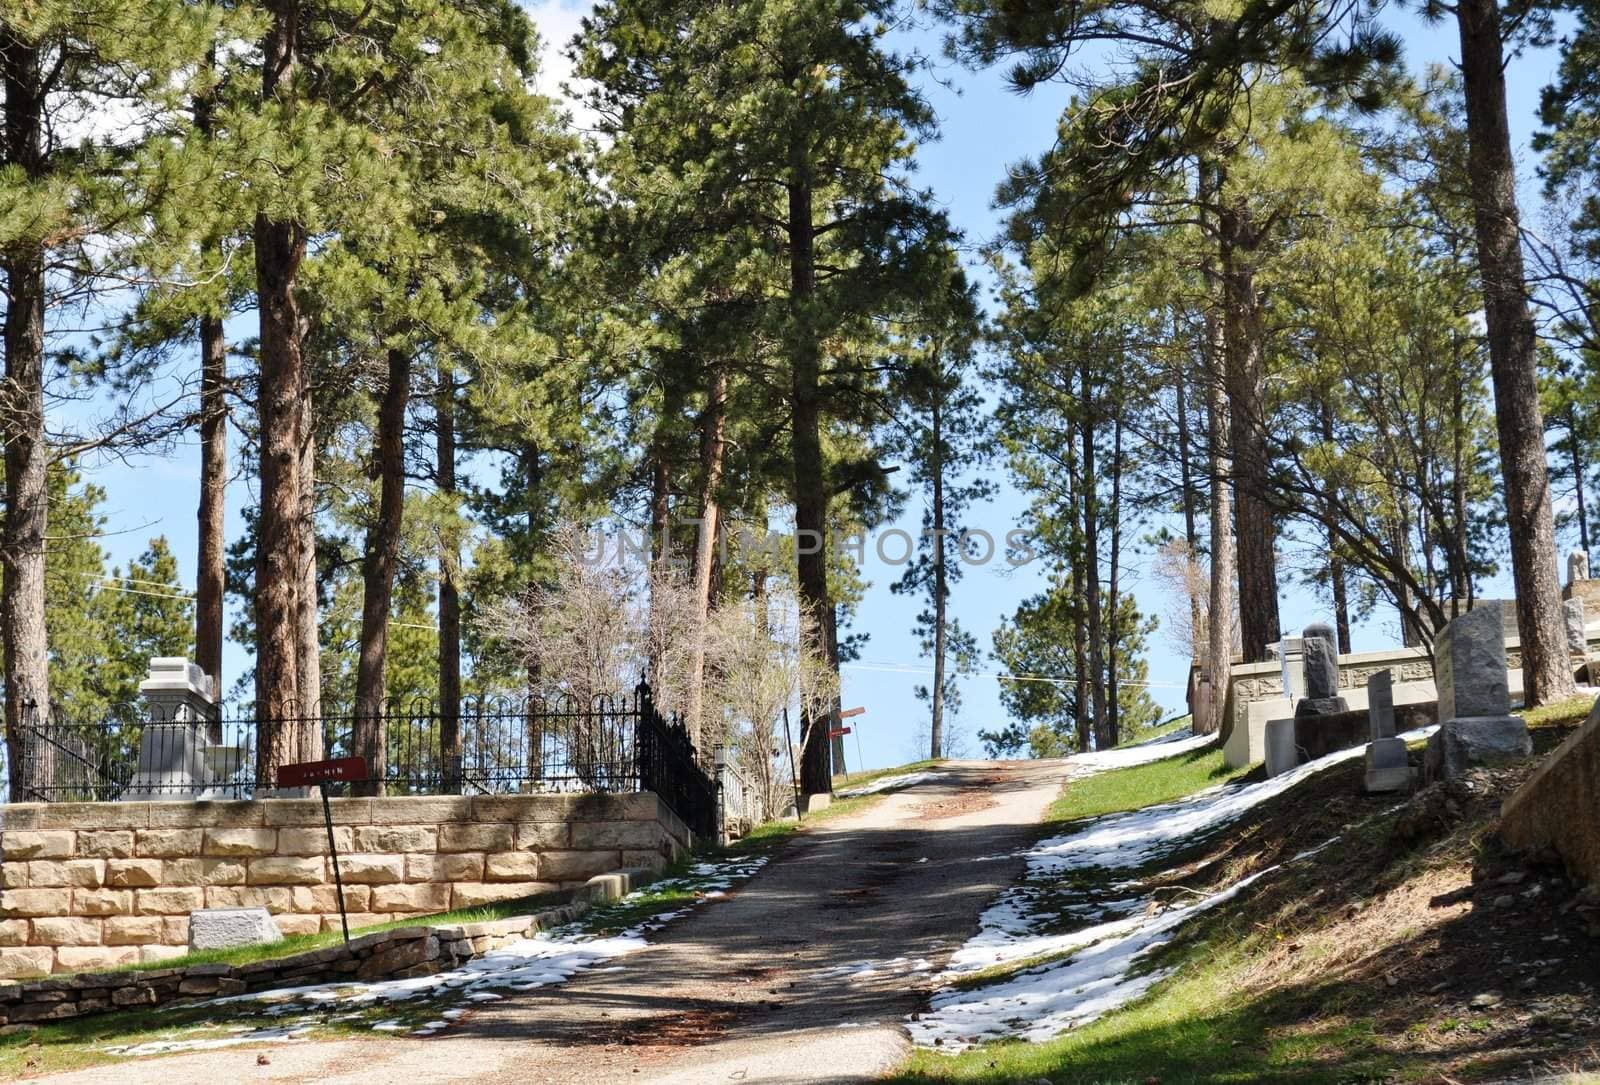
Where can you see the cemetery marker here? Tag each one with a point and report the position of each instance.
(307, 773)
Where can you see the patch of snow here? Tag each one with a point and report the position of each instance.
(170, 1047)
(1098, 974)
(1139, 836)
(1044, 1001)
(549, 957)
(888, 783)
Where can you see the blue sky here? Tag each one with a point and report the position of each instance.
(984, 128)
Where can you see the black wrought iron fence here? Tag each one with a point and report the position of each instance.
(488, 746)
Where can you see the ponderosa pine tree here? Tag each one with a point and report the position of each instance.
(1513, 347)
(65, 192)
(940, 433)
(799, 125)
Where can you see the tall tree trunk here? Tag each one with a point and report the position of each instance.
(280, 248)
(377, 570)
(1341, 602)
(210, 572)
(810, 487)
(1113, 708)
(533, 482)
(1546, 672)
(1075, 593)
(940, 587)
(449, 591)
(22, 572)
(1245, 349)
(660, 516)
(1191, 534)
(1218, 662)
(1091, 558)
(713, 424)
(309, 633)
(1578, 468)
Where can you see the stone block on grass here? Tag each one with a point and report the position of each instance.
(225, 928)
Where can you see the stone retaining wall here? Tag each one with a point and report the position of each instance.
(100, 885)
(390, 954)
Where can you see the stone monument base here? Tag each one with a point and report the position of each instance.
(1387, 768)
(1460, 743)
(1320, 706)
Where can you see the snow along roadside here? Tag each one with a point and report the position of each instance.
(549, 957)
(1040, 1002)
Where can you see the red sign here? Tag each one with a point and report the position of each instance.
(847, 713)
(308, 773)
(839, 732)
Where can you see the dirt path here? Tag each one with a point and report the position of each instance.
(803, 976)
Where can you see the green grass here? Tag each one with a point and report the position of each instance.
(1177, 723)
(1194, 1028)
(302, 943)
(1568, 713)
(1143, 785)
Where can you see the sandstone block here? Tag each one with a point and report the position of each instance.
(206, 815)
(459, 867)
(299, 924)
(169, 901)
(36, 902)
(511, 866)
(482, 837)
(47, 845)
(13, 932)
(307, 812)
(133, 930)
(175, 931)
(570, 866)
(56, 873)
(285, 871)
(372, 869)
(475, 894)
(487, 809)
(79, 816)
(421, 810)
(133, 873)
(425, 898)
(225, 928)
(13, 875)
(27, 961)
(543, 835)
(65, 931)
(241, 843)
(395, 838)
(357, 920)
(648, 860)
(203, 872)
(314, 899)
(168, 843)
(615, 834)
(95, 958)
(106, 844)
(274, 898)
(314, 841)
(102, 902)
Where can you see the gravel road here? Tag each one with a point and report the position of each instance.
(802, 976)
